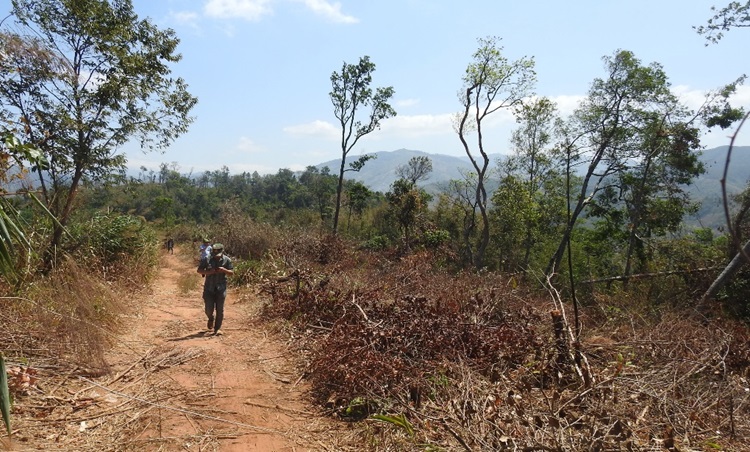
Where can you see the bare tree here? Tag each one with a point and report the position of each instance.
(418, 168)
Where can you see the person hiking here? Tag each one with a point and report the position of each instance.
(215, 269)
(170, 246)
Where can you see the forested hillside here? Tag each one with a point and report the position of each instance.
(706, 190)
(380, 173)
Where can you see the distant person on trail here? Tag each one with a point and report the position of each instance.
(170, 246)
(215, 269)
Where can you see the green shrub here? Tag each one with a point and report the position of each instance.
(376, 243)
(122, 246)
(245, 272)
(434, 238)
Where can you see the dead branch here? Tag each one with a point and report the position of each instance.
(650, 275)
(184, 411)
(277, 407)
(455, 435)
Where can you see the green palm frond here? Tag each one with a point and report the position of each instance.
(10, 235)
(398, 420)
(4, 394)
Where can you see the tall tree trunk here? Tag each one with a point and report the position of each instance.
(62, 221)
(470, 224)
(484, 238)
(339, 189)
(734, 265)
(635, 220)
(554, 262)
(583, 200)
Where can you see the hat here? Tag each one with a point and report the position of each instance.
(217, 248)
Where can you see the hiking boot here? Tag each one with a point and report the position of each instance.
(210, 325)
(218, 333)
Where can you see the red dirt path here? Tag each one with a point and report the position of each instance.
(235, 392)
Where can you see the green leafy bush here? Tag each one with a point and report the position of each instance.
(244, 272)
(376, 243)
(122, 246)
(434, 238)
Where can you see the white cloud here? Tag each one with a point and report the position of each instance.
(497, 126)
(317, 128)
(694, 98)
(401, 125)
(404, 103)
(189, 18)
(418, 125)
(741, 97)
(252, 10)
(255, 10)
(248, 146)
(331, 11)
(566, 105)
(743, 93)
(501, 118)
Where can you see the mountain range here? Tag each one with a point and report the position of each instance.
(706, 189)
(379, 173)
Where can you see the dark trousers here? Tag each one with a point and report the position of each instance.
(215, 301)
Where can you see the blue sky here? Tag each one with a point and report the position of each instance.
(261, 68)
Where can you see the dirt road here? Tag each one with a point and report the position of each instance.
(197, 391)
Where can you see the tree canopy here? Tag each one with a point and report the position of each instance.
(83, 78)
(734, 15)
(350, 93)
(491, 83)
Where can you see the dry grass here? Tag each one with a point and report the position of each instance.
(187, 283)
(67, 318)
(57, 329)
(242, 236)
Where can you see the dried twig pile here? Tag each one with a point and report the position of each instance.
(469, 362)
(63, 404)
